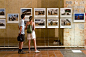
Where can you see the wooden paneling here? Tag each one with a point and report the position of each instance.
(13, 6)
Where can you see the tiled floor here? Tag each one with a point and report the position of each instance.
(69, 53)
(44, 53)
(48, 53)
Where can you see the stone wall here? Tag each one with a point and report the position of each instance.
(75, 35)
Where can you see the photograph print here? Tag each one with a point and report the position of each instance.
(13, 18)
(79, 17)
(65, 23)
(52, 23)
(2, 23)
(25, 22)
(40, 23)
(2, 13)
(26, 11)
(39, 12)
(53, 12)
(65, 12)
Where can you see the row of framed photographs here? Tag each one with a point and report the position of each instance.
(14, 18)
(41, 23)
(52, 23)
(41, 12)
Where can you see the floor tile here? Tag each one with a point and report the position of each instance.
(84, 51)
(59, 55)
(2, 55)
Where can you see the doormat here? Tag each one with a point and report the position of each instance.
(76, 51)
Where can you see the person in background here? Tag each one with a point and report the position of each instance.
(30, 26)
(22, 33)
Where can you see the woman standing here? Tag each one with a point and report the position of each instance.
(30, 26)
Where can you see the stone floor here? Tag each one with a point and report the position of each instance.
(43, 53)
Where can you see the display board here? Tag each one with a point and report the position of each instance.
(52, 17)
(65, 17)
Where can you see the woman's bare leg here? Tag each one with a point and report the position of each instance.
(29, 44)
(34, 43)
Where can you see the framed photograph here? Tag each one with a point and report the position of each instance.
(52, 23)
(26, 11)
(65, 12)
(2, 23)
(13, 18)
(65, 23)
(40, 23)
(39, 12)
(25, 21)
(52, 12)
(79, 17)
(2, 13)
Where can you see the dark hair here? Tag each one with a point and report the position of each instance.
(30, 18)
(22, 16)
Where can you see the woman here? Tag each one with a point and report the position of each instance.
(30, 26)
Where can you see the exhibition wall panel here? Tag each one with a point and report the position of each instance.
(8, 36)
(45, 36)
(75, 35)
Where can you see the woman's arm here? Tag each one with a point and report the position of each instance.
(26, 25)
(34, 25)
